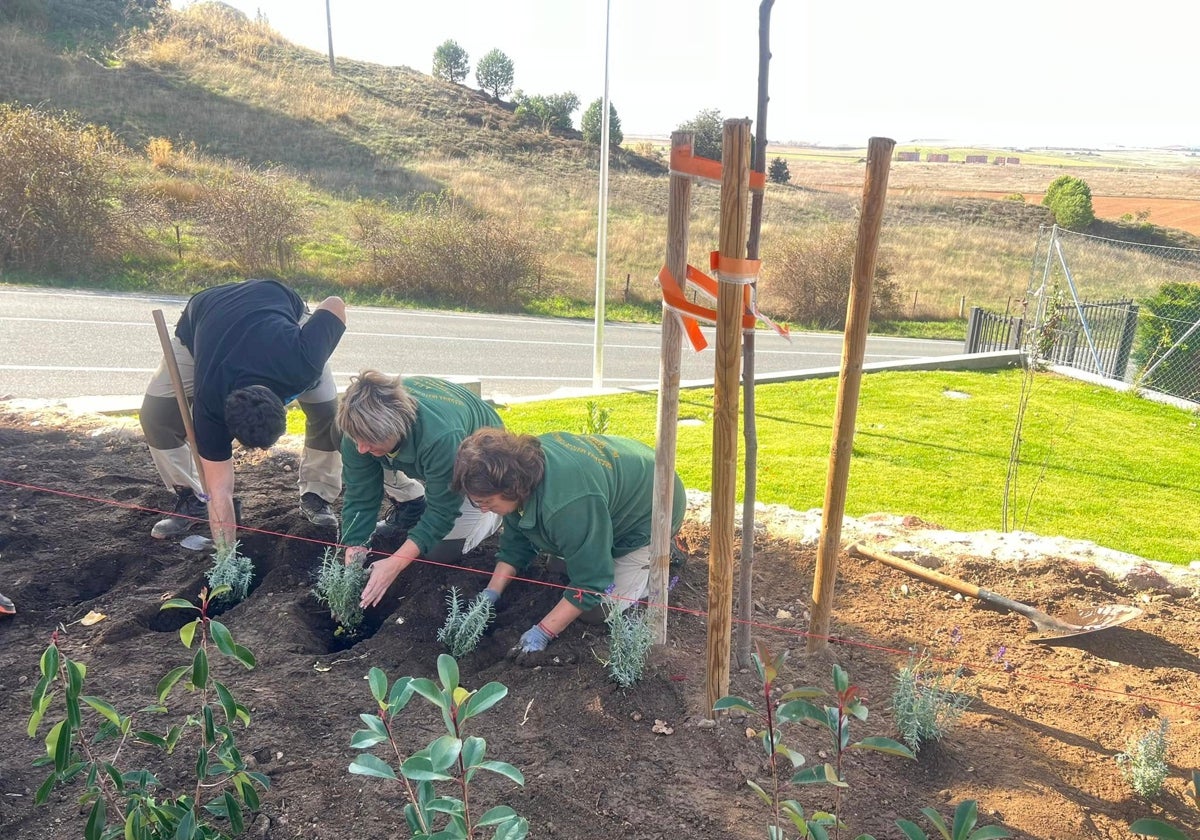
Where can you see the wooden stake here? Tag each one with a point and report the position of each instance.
(678, 210)
(735, 193)
(858, 316)
(185, 410)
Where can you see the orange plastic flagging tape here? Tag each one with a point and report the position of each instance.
(692, 313)
(683, 160)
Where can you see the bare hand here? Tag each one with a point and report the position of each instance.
(356, 554)
(383, 573)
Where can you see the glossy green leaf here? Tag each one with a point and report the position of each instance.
(428, 689)
(369, 765)
(911, 830)
(989, 832)
(150, 738)
(727, 703)
(1157, 829)
(885, 745)
(514, 829)
(178, 604)
(201, 763)
(444, 751)
(822, 774)
(217, 591)
(841, 680)
(200, 669)
(244, 656)
(378, 682)
(168, 682)
(503, 768)
(497, 815)
(58, 745)
(801, 710)
(482, 700)
(187, 633)
(934, 817)
(807, 692)
(187, 826)
(43, 791)
(75, 674)
(762, 794)
(49, 662)
(472, 751)
(225, 698)
(104, 708)
(447, 668)
(96, 820)
(234, 811)
(39, 712)
(445, 805)
(419, 768)
(221, 637)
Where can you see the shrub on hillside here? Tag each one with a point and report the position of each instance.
(58, 210)
(810, 276)
(1070, 200)
(550, 113)
(494, 73)
(708, 133)
(444, 253)
(451, 62)
(251, 218)
(591, 124)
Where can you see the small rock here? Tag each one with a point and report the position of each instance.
(705, 723)
(784, 614)
(636, 715)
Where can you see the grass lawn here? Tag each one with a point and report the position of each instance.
(1094, 464)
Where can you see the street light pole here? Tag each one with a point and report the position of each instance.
(602, 221)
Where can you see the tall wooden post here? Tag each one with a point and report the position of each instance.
(735, 194)
(678, 212)
(858, 321)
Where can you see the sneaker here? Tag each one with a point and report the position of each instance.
(400, 518)
(7, 607)
(317, 511)
(189, 512)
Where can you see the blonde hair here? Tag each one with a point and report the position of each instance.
(377, 408)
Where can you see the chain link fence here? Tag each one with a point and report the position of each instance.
(1123, 310)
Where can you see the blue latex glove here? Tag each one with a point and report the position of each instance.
(534, 640)
(491, 594)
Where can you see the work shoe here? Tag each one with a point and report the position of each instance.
(400, 518)
(189, 512)
(7, 607)
(317, 511)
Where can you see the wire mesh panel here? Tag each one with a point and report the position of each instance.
(1123, 310)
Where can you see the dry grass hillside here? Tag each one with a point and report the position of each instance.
(209, 109)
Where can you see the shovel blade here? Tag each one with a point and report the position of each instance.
(1079, 622)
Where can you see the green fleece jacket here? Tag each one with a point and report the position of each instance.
(446, 413)
(593, 504)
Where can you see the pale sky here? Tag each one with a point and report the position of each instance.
(1019, 73)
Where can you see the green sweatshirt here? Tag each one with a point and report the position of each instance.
(593, 504)
(446, 413)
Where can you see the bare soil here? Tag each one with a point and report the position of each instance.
(1036, 748)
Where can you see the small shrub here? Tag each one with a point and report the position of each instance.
(925, 703)
(629, 640)
(465, 623)
(1070, 200)
(1144, 762)
(1018, 197)
(160, 152)
(339, 586)
(134, 803)
(251, 218)
(778, 171)
(232, 570)
(454, 757)
(597, 419)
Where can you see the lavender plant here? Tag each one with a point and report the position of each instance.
(134, 803)
(339, 586)
(925, 702)
(453, 758)
(629, 640)
(465, 623)
(1144, 762)
(231, 572)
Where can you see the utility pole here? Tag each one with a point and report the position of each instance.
(329, 29)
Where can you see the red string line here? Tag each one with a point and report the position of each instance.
(992, 666)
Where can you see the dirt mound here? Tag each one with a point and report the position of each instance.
(1036, 746)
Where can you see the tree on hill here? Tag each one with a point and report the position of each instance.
(591, 124)
(1070, 200)
(494, 73)
(708, 131)
(451, 62)
(551, 113)
(778, 171)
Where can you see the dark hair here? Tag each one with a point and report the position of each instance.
(255, 416)
(496, 462)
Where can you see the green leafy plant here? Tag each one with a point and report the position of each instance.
(133, 803)
(965, 817)
(1149, 827)
(792, 707)
(926, 703)
(452, 757)
(465, 623)
(494, 73)
(339, 586)
(597, 419)
(1070, 200)
(778, 171)
(231, 573)
(629, 640)
(1144, 762)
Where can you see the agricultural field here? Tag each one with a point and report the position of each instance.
(1036, 748)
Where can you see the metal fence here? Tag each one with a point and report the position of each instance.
(1123, 310)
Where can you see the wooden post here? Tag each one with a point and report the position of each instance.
(735, 193)
(185, 410)
(678, 211)
(858, 317)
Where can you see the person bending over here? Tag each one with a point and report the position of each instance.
(584, 498)
(244, 351)
(399, 440)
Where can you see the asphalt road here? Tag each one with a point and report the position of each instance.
(67, 343)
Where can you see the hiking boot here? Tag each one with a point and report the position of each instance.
(7, 607)
(400, 518)
(317, 511)
(189, 512)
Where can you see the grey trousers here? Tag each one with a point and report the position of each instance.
(320, 461)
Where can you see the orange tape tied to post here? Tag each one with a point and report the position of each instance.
(692, 313)
(685, 162)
